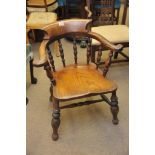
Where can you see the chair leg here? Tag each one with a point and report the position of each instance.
(115, 55)
(56, 119)
(33, 79)
(114, 107)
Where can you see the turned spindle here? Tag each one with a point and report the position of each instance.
(61, 53)
(75, 51)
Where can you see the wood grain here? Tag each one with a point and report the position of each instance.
(76, 81)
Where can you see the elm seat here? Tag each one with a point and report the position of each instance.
(113, 33)
(40, 19)
(76, 81)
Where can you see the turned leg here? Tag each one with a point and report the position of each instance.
(56, 119)
(114, 107)
(33, 79)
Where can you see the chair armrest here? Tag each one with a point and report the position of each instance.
(42, 55)
(89, 13)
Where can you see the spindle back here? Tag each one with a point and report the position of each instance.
(74, 28)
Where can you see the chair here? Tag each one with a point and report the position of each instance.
(37, 20)
(103, 23)
(76, 80)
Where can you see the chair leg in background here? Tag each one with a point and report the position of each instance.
(33, 79)
(51, 93)
(56, 119)
(114, 107)
(115, 55)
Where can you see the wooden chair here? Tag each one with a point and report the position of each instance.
(76, 80)
(103, 23)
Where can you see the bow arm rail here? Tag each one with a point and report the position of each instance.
(42, 55)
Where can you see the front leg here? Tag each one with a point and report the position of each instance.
(114, 107)
(56, 119)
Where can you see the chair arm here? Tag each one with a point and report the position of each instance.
(89, 13)
(42, 55)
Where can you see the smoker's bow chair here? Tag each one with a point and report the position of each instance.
(103, 23)
(76, 80)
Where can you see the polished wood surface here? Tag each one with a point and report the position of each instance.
(42, 55)
(80, 80)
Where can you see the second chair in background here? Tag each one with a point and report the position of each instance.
(104, 24)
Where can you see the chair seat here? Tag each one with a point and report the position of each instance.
(37, 20)
(113, 33)
(77, 81)
(50, 8)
